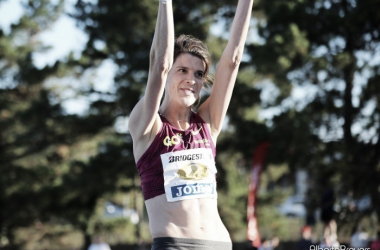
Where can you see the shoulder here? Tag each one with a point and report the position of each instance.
(142, 141)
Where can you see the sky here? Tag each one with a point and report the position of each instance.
(63, 38)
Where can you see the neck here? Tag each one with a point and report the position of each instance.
(179, 120)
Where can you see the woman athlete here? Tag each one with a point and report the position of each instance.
(174, 147)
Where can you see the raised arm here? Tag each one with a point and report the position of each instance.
(214, 109)
(144, 119)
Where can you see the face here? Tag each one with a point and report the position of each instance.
(185, 80)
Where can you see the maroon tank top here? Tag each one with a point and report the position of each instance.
(170, 139)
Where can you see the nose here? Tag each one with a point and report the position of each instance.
(191, 81)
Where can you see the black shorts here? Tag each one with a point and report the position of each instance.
(169, 243)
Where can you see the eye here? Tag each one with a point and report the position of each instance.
(199, 74)
(182, 70)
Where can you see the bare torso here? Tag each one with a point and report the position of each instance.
(195, 219)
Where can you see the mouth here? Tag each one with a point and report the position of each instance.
(188, 90)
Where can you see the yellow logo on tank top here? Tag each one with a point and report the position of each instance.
(174, 140)
(193, 171)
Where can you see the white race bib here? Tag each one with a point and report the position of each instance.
(189, 174)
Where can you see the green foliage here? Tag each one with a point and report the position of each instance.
(61, 168)
(323, 47)
(271, 224)
(52, 164)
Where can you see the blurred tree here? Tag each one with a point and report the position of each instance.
(70, 163)
(25, 118)
(321, 60)
(46, 170)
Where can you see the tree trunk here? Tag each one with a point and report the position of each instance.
(87, 240)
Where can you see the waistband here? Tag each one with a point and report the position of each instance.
(170, 243)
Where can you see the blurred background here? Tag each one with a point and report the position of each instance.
(72, 70)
